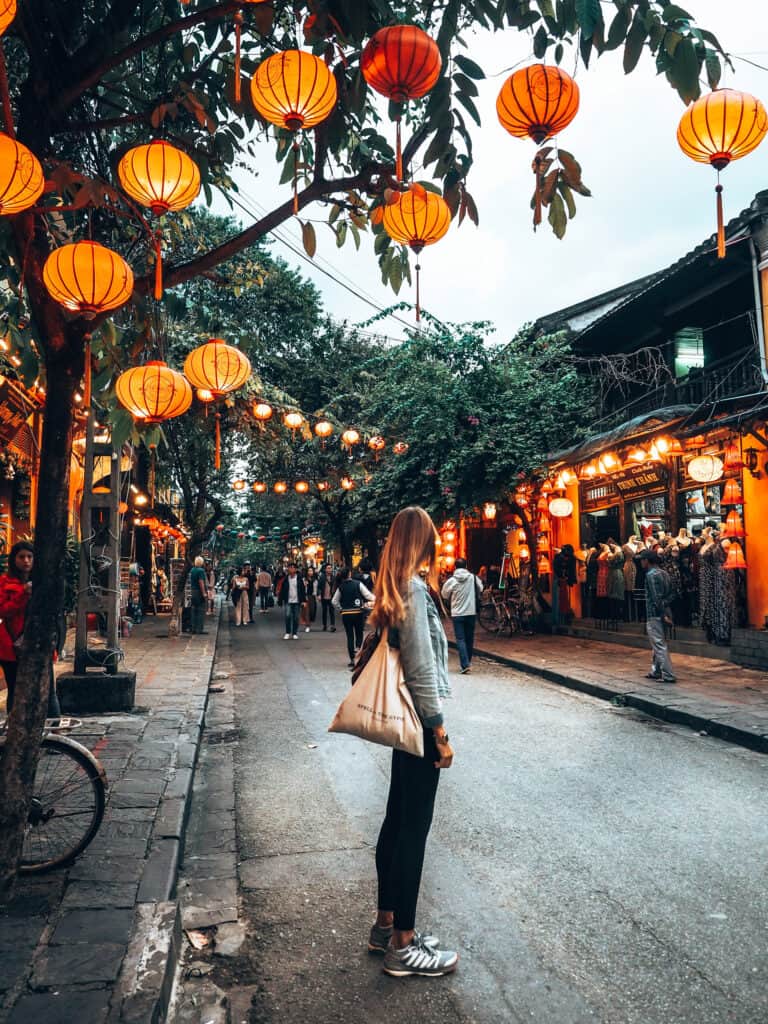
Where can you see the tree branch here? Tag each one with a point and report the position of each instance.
(94, 74)
(5, 95)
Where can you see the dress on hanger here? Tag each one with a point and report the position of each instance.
(616, 584)
(646, 531)
(602, 574)
(630, 566)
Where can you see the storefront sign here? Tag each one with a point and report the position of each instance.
(638, 481)
(598, 496)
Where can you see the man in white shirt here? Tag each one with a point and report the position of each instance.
(460, 592)
(292, 595)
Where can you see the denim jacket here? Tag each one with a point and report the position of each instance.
(423, 653)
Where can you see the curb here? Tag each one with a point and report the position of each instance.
(145, 987)
(669, 713)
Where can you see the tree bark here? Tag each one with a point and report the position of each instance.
(18, 760)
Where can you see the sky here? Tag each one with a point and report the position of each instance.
(651, 204)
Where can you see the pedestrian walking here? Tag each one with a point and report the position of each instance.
(406, 614)
(264, 582)
(198, 583)
(252, 589)
(15, 592)
(210, 582)
(658, 592)
(309, 608)
(460, 592)
(350, 600)
(325, 591)
(240, 599)
(292, 594)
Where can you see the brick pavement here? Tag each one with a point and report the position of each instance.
(97, 942)
(717, 697)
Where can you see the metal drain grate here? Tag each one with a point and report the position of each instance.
(227, 736)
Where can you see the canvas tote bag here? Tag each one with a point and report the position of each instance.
(379, 707)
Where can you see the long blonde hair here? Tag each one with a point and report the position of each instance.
(411, 546)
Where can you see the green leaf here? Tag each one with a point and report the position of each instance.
(465, 84)
(469, 106)
(635, 39)
(674, 13)
(617, 33)
(590, 15)
(309, 239)
(567, 195)
(714, 69)
(469, 67)
(684, 72)
(540, 42)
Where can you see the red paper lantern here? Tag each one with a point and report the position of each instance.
(537, 102)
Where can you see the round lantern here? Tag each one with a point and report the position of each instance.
(350, 437)
(537, 102)
(347, 483)
(154, 392)
(323, 428)
(258, 487)
(239, 485)
(301, 486)
(294, 90)
(21, 176)
(280, 487)
(377, 443)
(217, 367)
(87, 278)
(293, 420)
(7, 14)
(722, 126)
(262, 411)
(705, 469)
(561, 508)
(402, 63)
(732, 494)
(323, 485)
(489, 510)
(735, 559)
(400, 448)
(162, 177)
(420, 218)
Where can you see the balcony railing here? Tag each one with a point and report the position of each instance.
(737, 374)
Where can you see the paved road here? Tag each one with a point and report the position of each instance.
(590, 864)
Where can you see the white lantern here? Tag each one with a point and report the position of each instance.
(561, 508)
(705, 469)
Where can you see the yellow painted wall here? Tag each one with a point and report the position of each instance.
(755, 519)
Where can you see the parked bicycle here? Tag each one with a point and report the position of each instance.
(68, 799)
(498, 613)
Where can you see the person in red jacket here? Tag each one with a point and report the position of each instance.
(15, 590)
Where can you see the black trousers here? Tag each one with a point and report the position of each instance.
(353, 627)
(403, 836)
(264, 598)
(328, 611)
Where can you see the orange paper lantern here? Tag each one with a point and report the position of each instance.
(21, 176)
(294, 90)
(258, 487)
(732, 494)
(7, 14)
(734, 527)
(154, 392)
(350, 437)
(402, 63)
(88, 278)
(218, 368)
(400, 448)
(323, 428)
(735, 559)
(301, 486)
(162, 177)
(377, 443)
(732, 459)
(262, 411)
(420, 218)
(537, 102)
(280, 487)
(722, 126)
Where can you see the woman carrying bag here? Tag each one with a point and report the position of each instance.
(405, 612)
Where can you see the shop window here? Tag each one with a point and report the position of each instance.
(689, 350)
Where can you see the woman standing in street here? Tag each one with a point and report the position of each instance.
(15, 591)
(407, 615)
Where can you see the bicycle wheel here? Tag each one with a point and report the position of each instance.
(488, 617)
(67, 805)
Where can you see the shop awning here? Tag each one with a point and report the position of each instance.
(647, 423)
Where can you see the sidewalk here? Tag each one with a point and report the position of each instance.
(716, 697)
(97, 942)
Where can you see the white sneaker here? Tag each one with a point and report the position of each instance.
(287, 636)
(295, 636)
(307, 629)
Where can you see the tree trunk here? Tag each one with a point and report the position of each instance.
(18, 761)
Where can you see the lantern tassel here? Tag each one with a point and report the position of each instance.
(87, 373)
(152, 472)
(217, 459)
(295, 175)
(720, 223)
(238, 29)
(398, 152)
(158, 265)
(418, 293)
